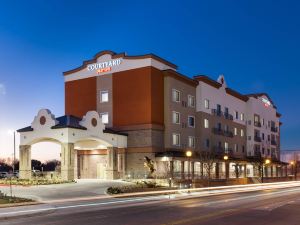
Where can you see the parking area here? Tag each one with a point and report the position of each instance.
(81, 189)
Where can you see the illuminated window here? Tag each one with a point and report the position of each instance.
(103, 96)
(176, 117)
(191, 101)
(242, 133)
(175, 95)
(242, 116)
(104, 118)
(226, 147)
(206, 103)
(236, 149)
(176, 139)
(235, 131)
(191, 142)
(206, 123)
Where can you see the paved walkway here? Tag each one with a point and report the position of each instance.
(81, 189)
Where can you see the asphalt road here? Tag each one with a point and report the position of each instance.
(276, 206)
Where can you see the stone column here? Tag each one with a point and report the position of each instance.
(112, 164)
(271, 170)
(227, 170)
(182, 169)
(245, 170)
(68, 158)
(25, 162)
(192, 170)
(171, 169)
(217, 170)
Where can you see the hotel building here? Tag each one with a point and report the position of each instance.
(120, 109)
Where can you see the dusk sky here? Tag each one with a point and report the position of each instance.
(255, 44)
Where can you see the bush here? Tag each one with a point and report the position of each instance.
(114, 190)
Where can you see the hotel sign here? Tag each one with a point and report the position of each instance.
(266, 102)
(106, 66)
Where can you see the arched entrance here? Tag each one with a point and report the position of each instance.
(80, 139)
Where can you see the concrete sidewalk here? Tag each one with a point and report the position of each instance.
(83, 188)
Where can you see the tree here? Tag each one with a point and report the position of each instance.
(208, 160)
(237, 169)
(51, 165)
(150, 165)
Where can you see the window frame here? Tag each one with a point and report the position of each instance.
(189, 121)
(179, 94)
(101, 99)
(104, 113)
(194, 102)
(175, 112)
(176, 134)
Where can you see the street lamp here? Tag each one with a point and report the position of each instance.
(225, 157)
(293, 168)
(189, 155)
(14, 157)
(267, 161)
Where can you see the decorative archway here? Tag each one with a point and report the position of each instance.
(73, 134)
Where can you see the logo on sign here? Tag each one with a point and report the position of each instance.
(104, 66)
(266, 102)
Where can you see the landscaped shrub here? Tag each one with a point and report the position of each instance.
(114, 190)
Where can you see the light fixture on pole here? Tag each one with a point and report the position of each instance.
(189, 155)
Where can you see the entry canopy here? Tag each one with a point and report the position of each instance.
(88, 133)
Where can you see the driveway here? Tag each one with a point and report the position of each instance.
(81, 189)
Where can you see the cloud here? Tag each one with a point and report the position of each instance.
(2, 89)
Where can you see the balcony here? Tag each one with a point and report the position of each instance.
(228, 133)
(217, 131)
(273, 142)
(216, 112)
(228, 116)
(274, 129)
(219, 113)
(222, 151)
(257, 138)
(257, 124)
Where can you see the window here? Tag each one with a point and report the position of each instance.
(104, 118)
(206, 103)
(176, 139)
(218, 108)
(235, 131)
(268, 151)
(243, 148)
(242, 116)
(263, 150)
(263, 121)
(226, 110)
(175, 95)
(207, 143)
(103, 96)
(236, 148)
(236, 115)
(191, 101)
(226, 147)
(219, 126)
(206, 123)
(263, 136)
(242, 133)
(191, 121)
(176, 117)
(191, 142)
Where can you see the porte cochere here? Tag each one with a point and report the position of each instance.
(88, 149)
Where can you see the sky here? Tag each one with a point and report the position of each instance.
(255, 44)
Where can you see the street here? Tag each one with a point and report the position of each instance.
(273, 206)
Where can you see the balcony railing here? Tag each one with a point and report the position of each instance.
(226, 115)
(216, 112)
(222, 151)
(273, 142)
(217, 131)
(257, 124)
(257, 139)
(228, 133)
(274, 129)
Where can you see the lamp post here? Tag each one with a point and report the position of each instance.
(267, 161)
(14, 142)
(292, 163)
(189, 155)
(225, 157)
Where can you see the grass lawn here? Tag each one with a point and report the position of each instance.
(7, 200)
